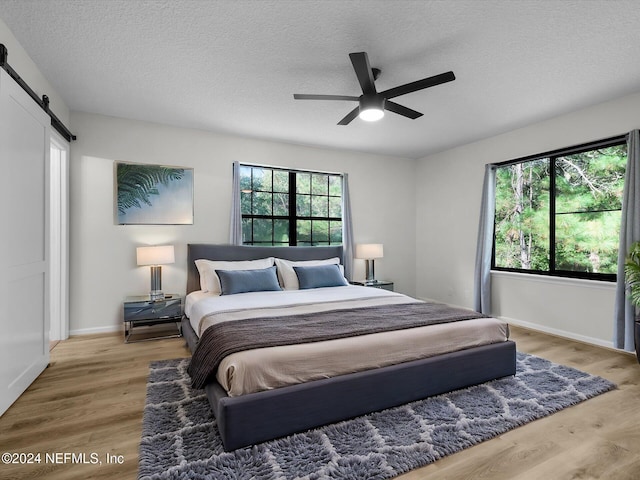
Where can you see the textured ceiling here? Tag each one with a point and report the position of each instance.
(232, 66)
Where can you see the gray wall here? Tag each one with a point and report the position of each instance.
(28, 70)
(448, 191)
(103, 265)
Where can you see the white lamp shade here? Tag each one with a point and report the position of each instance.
(369, 251)
(158, 255)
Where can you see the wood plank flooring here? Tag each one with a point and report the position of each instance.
(91, 397)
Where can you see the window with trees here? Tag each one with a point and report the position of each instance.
(290, 207)
(559, 213)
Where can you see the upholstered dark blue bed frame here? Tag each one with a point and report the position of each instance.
(257, 417)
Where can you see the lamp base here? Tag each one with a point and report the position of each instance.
(156, 295)
(156, 283)
(370, 271)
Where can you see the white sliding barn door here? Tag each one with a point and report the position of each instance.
(59, 237)
(24, 231)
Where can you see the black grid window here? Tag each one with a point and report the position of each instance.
(290, 207)
(559, 213)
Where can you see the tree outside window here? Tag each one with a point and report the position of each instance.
(290, 207)
(560, 213)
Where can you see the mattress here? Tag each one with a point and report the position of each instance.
(268, 368)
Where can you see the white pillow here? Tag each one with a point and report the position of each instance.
(209, 281)
(287, 275)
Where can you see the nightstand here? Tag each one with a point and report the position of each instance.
(383, 284)
(141, 313)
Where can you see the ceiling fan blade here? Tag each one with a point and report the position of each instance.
(360, 62)
(400, 110)
(304, 96)
(350, 116)
(418, 85)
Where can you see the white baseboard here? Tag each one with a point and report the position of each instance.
(559, 333)
(520, 323)
(551, 331)
(94, 330)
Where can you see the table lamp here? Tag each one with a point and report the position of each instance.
(368, 252)
(156, 256)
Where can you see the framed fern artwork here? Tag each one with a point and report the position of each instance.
(153, 194)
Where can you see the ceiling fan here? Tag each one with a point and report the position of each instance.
(372, 103)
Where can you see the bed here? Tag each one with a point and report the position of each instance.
(247, 416)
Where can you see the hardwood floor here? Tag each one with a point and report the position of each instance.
(90, 401)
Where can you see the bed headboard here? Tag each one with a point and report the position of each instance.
(209, 251)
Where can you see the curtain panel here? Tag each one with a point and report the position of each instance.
(347, 229)
(235, 226)
(484, 247)
(624, 311)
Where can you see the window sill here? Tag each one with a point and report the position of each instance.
(551, 280)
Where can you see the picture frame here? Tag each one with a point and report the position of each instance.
(150, 194)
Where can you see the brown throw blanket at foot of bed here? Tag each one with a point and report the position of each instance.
(225, 338)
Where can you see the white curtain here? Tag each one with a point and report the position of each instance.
(482, 277)
(347, 229)
(235, 226)
(624, 313)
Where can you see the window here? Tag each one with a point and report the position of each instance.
(559, 213)
(290, 207)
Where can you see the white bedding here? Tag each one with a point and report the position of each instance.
(273, 367)
(199, 304)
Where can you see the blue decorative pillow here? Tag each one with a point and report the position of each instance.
(320, 276)
(242, 281)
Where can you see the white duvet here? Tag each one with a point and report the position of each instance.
(201, 308)
(273, 367)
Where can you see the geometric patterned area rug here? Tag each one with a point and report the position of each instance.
(180, 439)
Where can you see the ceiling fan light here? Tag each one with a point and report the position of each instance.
(371, 114)
(371, 108)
